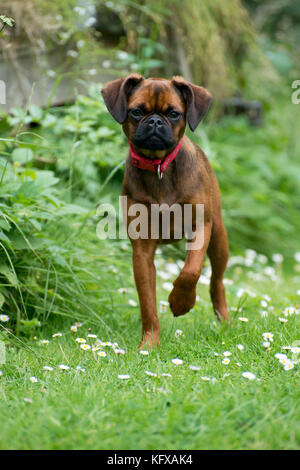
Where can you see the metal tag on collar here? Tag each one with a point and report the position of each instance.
(159, 173)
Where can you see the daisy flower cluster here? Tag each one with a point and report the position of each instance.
(227, 361)
(285, 361)
(98, 345)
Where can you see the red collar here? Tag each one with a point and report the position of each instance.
(157, 166)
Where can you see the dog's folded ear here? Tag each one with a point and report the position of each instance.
(116, 94)
(196, 98)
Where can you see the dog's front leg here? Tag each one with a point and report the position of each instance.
(145, 279)
(183, 296)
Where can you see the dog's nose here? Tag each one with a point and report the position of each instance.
(155, 121)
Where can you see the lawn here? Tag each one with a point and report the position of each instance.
(213, 406)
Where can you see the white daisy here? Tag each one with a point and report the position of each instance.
(122, 55)
(172, 268)
(80, 340)
(106, 64)
(51, 73)
(48, 368)
(243, 319)
(72, 53)
(119, 351)
(280, 356)
(163, 306)
(226, 361)
(167, 286)
(101, 354)
(282, 320)
(4, 318)
(249, 375)
(81, 369)
(27, 400)
(268, 336)
(227, 353)
(289, 311)
(123, 376)
(151, 374)
(277, 258)
(289, 366)
(240, 292)
(240, 347)
(33, 379)
(56, 335)
(262, 259)
(178, 333)
(297, 256)
(284, 361)
(80, 43)
(63, 367)
(163, 275)
(44, 341)
(122, 290)
(144, 352)
(177, 361)
(85, 347)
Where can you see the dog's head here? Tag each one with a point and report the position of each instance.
(154, 111)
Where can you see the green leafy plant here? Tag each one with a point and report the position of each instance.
(5, 21)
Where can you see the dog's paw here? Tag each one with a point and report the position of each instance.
(149, 340)
(181, 300)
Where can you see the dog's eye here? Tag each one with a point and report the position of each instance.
(173, 115)
(136, 113)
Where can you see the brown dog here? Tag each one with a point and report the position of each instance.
(154, 113)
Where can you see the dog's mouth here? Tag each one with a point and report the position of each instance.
(154, 140)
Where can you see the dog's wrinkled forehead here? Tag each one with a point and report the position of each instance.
(157, 95)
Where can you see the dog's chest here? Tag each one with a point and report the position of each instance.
(148, 188)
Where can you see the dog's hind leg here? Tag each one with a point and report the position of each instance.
(218, 254)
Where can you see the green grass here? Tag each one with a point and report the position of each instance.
(96, 410)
